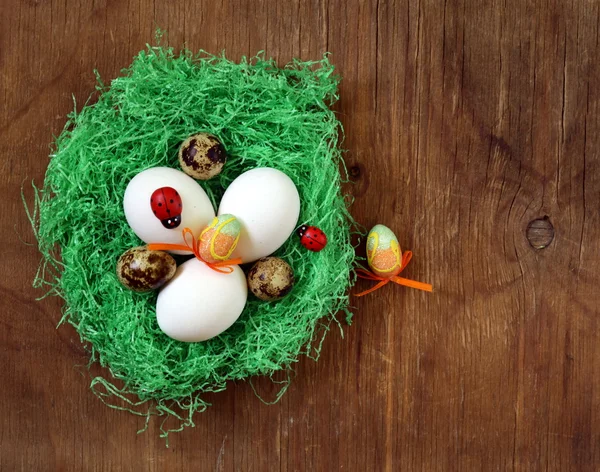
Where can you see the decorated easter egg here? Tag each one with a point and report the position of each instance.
(312, 238)
(141, 270)
(267, 205)
(270, 278)
(218, 240)
(202, 156)
(153, 198)
(199, 303)
(383, 252)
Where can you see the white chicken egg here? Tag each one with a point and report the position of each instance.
(199, 303)
(266, 203)
(160, 202)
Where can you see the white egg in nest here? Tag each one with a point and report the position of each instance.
(199, 303)
(160, 202)
(267, 204)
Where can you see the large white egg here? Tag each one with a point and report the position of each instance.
(196, 209)
(199, 303)
(266, 203)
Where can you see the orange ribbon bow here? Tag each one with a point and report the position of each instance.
(194, 247)
(406, 257)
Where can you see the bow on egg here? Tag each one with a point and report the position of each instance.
(386, 261)
(214, 246)
(171, 212)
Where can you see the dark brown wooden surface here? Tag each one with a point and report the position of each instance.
(465, 120)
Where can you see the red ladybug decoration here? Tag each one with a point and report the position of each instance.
(312, 238)
(167, 206)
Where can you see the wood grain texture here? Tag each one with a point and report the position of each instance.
(465, 120)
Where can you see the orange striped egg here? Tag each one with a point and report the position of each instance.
(219, 239)
(383, 252)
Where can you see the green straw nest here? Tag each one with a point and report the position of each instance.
(265, 116)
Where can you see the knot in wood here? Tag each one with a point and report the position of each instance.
(355, 171)
(540, 233)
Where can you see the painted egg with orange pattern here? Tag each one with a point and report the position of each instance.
(383, 252)
(219, 239)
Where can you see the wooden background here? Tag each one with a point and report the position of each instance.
(465, 120)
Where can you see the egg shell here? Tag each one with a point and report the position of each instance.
(270, 278)
(199, 303)
(219, 239)
(383, 252)
(197, 211)
(142, 270)
(202, 156)
(267, 204)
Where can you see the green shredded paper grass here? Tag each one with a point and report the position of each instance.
(265, 116)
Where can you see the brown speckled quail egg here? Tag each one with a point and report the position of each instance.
(142, 270)
(270, 278)
(202, 156)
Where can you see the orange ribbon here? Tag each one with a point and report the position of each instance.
(406, 257)
(194, 247)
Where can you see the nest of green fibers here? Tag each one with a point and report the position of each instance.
(265, 116)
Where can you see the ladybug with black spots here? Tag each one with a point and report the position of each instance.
(312, 238)
(167, 206)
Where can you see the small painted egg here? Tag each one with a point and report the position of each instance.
(142, 270)
(219, 239)
(202, 156)
(383, 252)
(270, 278)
